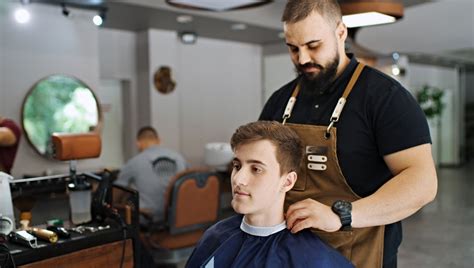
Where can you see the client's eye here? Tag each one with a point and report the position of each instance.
(236, 165)
(257, 169)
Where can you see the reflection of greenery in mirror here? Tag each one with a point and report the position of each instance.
(58, 103)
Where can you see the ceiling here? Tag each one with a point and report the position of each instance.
(264, 25)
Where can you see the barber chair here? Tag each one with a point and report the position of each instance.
(191, 206)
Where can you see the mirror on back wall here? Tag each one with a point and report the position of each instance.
(58, 103)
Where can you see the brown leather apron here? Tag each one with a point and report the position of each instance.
(320, 178)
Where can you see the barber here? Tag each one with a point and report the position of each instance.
(10, 134)
(368, 163)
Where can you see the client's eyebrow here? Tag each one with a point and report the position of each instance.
(250, 161)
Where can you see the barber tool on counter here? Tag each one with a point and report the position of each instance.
(41, 233)
(60, 231)
(44, 234)
(23, 238)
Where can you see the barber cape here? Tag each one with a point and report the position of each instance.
(234, 243)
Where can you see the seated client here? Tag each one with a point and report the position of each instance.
(147, 175)
(267, 155)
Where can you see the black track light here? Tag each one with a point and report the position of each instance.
(65, 11)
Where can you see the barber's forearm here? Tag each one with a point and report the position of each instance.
(397, 199)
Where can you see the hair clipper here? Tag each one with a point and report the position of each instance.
(23, 238)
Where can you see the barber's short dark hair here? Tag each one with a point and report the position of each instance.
(297, 10)
(147, 132)
(289, 148)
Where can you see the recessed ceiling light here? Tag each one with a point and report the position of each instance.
(97, 20)
(184, 19)
(239, 26)
(395, 56)
(22, 15)
(188, 37)
(395, 70)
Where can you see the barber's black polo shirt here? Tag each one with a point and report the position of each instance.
(380, 117)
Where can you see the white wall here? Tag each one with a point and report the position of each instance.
(117, 52)
(110, 95)
(278, 70)
(48, 44)
(450, 134)
(219, 85)
(117, 61)
(165, 109)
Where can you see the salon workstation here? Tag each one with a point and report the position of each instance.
(116, 119)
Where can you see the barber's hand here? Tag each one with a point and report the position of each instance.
(309, 213)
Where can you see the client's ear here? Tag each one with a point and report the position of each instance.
(289, 181)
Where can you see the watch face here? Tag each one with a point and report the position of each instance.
(342, 206)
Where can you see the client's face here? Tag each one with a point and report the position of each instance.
(256, 180)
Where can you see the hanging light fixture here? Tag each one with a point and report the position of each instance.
(360, 13)
(217, 5)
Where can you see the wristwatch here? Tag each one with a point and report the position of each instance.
(343, 209)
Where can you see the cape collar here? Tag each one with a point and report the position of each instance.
(261, 231)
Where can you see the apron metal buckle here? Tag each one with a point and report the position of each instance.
(328, 130)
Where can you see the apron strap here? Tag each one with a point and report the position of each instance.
(340, 104)
(291, 103)
(342, 101)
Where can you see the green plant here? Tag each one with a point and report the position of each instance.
(430, 100)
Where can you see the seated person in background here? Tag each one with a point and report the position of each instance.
(150, 171)
(267, 155)
(10, 134)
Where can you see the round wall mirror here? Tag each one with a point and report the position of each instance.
(58, 103)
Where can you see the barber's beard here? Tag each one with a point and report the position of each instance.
(318, 82)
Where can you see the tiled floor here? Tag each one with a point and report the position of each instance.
(442, 233)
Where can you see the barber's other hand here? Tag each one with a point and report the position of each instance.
(309, 213)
